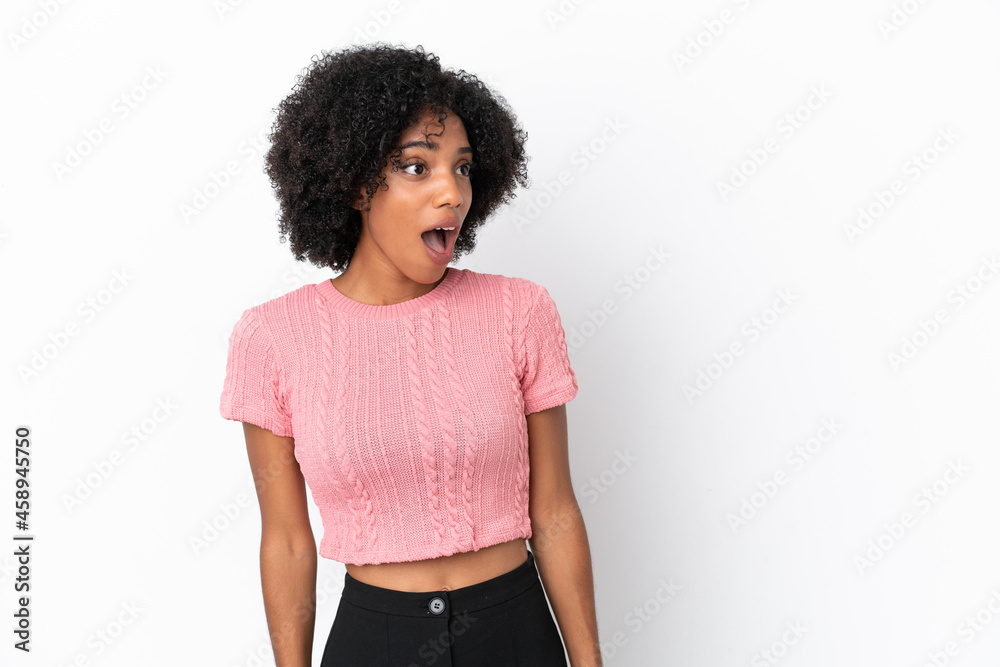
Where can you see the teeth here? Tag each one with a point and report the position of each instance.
(446, 228)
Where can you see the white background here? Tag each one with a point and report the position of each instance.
(819, 551)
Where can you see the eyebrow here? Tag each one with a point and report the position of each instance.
(431, 146)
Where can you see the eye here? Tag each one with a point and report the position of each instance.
(410, 167)
(466, 169)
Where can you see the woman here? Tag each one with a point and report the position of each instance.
(423, 405)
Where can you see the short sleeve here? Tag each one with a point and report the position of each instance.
(252, 390)
(548, 380)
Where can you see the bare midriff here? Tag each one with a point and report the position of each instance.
(445, 573)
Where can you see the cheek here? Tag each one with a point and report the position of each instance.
(389, 203)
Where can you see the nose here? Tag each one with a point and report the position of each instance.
(448, 191)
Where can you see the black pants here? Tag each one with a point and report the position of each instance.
(501, 622)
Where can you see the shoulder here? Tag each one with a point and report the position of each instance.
(280, 307)
(273, 318)
(523, 292)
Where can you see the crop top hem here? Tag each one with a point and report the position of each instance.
(329, 547)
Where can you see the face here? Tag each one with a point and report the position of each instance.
(430, 187)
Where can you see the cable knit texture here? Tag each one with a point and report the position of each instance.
(408, 419)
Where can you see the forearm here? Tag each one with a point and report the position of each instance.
(562, 551)
(288, 580)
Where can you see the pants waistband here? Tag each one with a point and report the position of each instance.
(442, 603)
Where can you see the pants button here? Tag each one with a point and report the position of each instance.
(436, 605)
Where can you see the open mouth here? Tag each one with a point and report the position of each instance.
(440, 239)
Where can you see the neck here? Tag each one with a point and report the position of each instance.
(377, 287)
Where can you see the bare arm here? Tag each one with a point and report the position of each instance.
(287, 546)
(559, 537)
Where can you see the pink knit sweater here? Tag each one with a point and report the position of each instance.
(408, 419)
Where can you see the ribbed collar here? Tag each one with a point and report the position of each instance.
(338, 301)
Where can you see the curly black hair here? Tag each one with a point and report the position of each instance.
(339, 128)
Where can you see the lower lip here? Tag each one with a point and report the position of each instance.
(438, 257)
